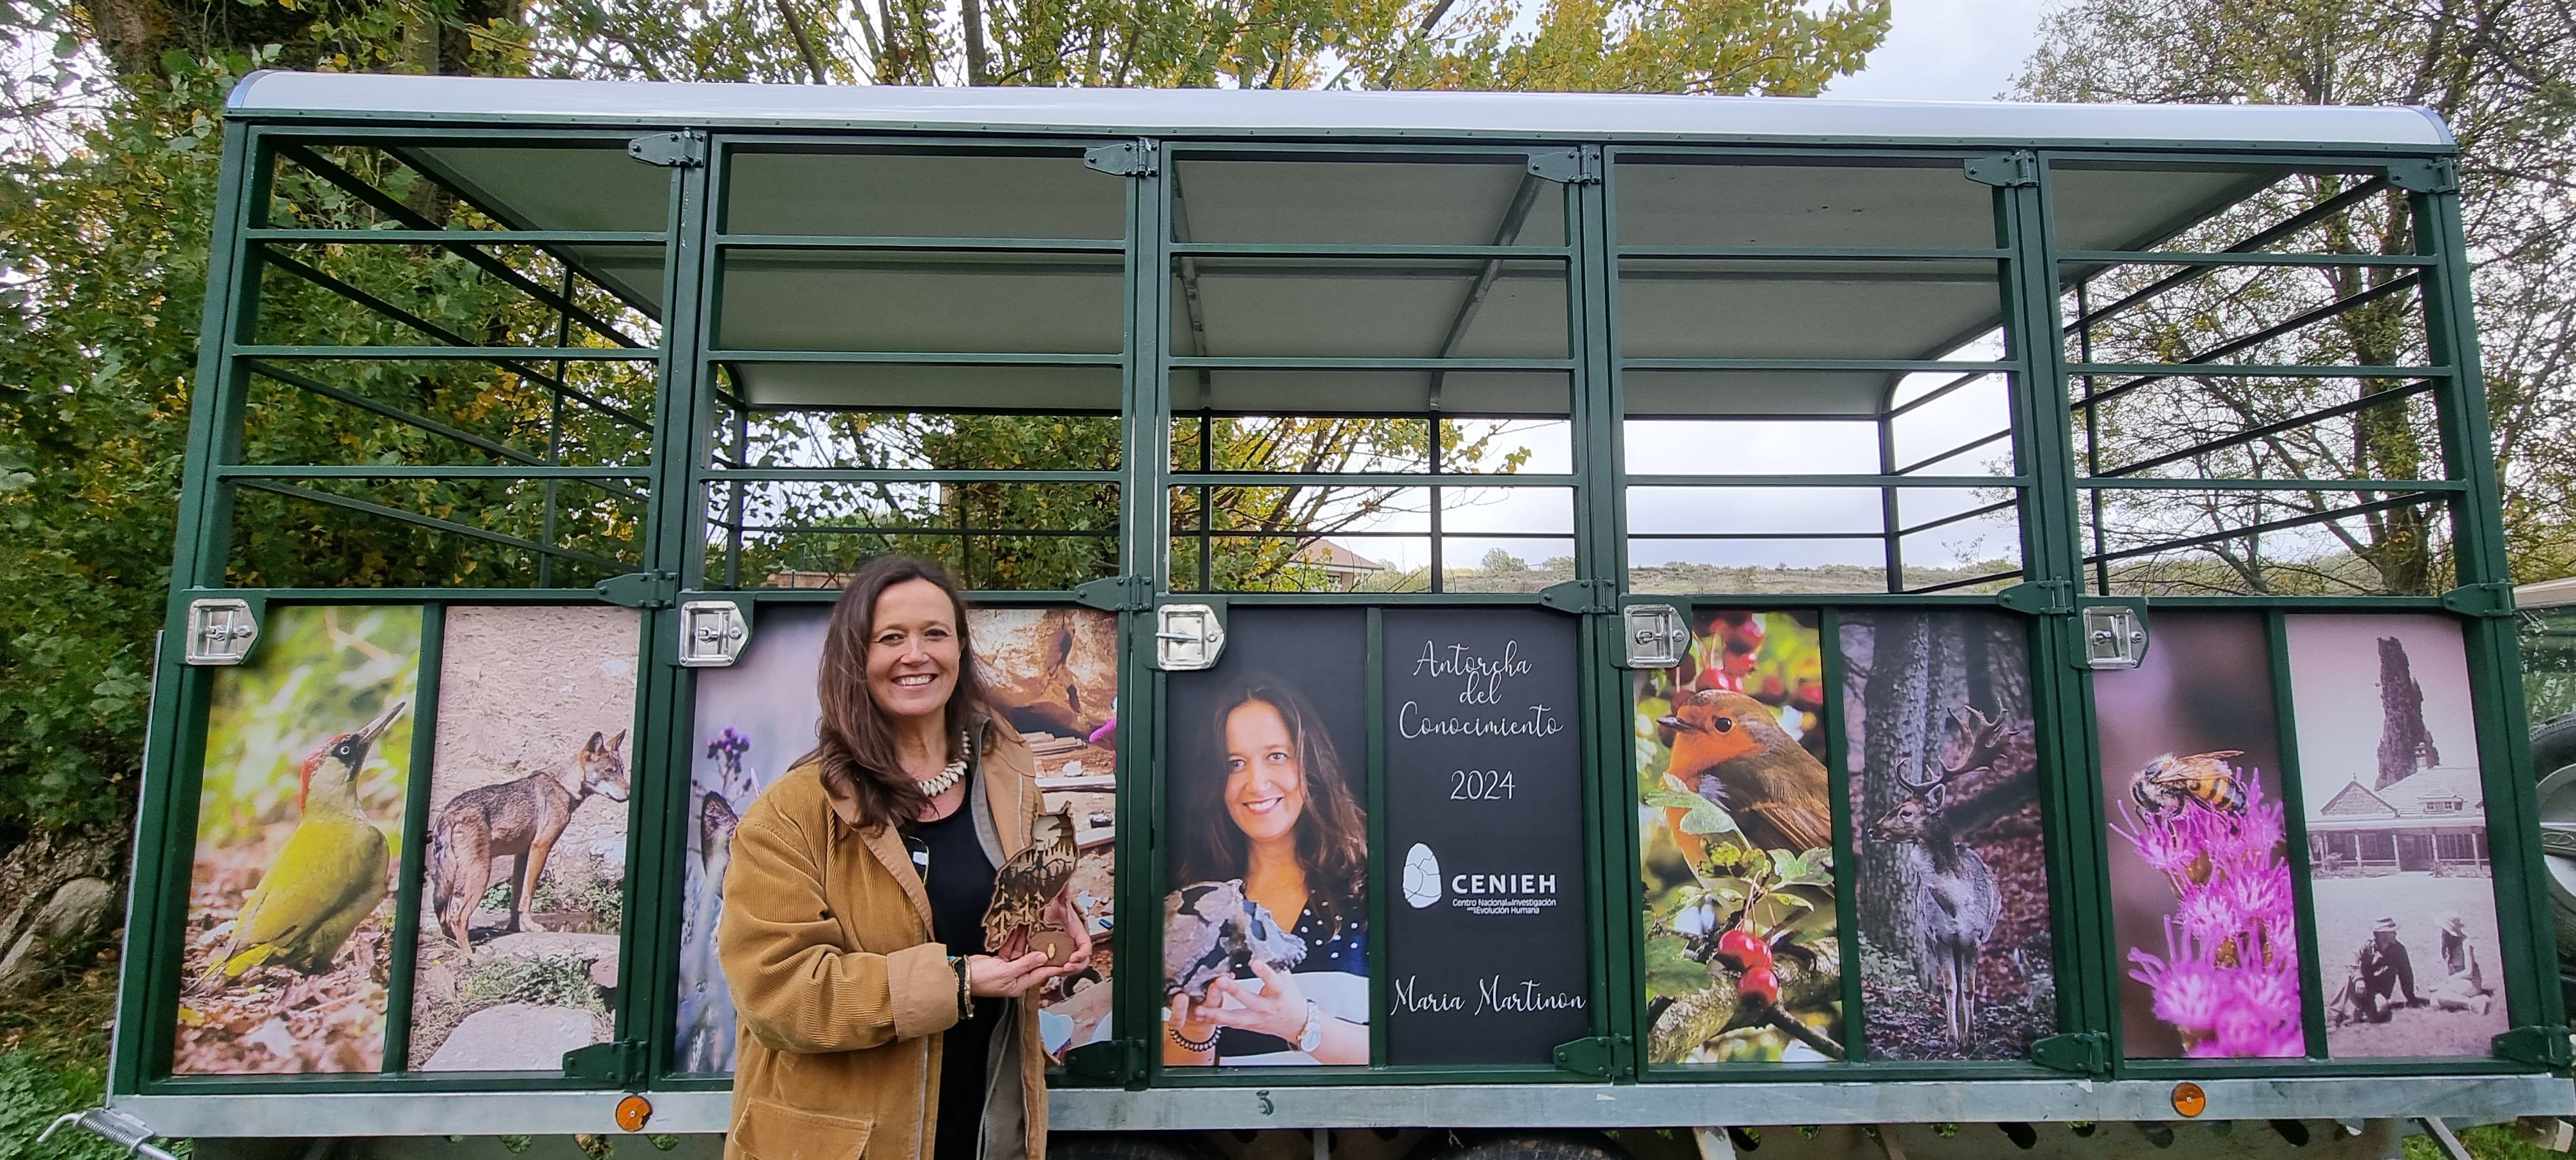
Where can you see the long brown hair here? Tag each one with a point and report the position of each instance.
(1332, 835)
(854, 742)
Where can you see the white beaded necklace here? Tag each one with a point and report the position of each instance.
(949, 777)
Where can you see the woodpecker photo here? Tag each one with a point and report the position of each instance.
(329, 876)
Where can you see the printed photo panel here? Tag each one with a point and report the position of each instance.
(2397, 835)
(524, 879)
(1486, 959)
(2201, 897)
(1053, 673)
(1267, 797)
(299, 824)
(1743, 954)
(1952, 886)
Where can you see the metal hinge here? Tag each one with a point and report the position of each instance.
(2039, 597)
(1577, 166)
(1602, 1055)
(1115, 593)
(1114, 1062)
(2081, 1052)
(1580, 596)
(2433, 175)
(619, 1062)
(2006, 170)
(2547, 1046)
(686, 149)
(1125, 159)
(2493, 598)
(640, 589)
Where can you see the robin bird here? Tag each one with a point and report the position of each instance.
(1731, 750)
(330, 874)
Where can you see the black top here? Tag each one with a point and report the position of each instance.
(1342, 948)
(959, 881)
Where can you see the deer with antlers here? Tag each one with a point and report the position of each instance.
(1954, 905)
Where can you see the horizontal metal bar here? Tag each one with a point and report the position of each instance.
(1927, 397)
(463, 237)
(918, 357)
(422, 471)
(2170, 483)
(1752, 536)
(1890, 481)
(500, 354)
(1887, 253)
(427, 595)
(2251, 371)
(2359, 509)
(1195, 533)
(890, 242)
(1956, 517)
(1364, 363)
(2339, 410)
(1815, 364)
(281, 374)
(431, 522)
(1961, 449)
(2219, 259)
(1376, 479)
(2299, 322)
(1328, 250)
(872, 530)
(1946, 585)
(2282, 229)
(902, 475)
(386, 204)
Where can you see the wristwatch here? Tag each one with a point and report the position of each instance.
(1313, 1036)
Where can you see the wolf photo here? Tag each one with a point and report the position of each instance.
(525, 865)
(2397, 835)
(299, 824)
(1955, 954)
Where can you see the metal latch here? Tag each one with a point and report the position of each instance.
(221, 630)
(119, 1129)
(1187, 637)
(712, 633)
(1655, 636)
(2115, 637)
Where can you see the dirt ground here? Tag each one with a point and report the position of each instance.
(521, 690)
(2346, 910)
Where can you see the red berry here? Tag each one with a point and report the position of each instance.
(1758, 986)
(1738, 948)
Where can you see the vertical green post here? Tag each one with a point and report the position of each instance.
(1613, 891)
(1143, 558)
(403, 962)
(2294, 809)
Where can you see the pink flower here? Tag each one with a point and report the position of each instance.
(2228, 980)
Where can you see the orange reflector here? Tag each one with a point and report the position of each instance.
(2187, 1099)
(634, 1110)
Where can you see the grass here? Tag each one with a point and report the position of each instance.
(53, 1058)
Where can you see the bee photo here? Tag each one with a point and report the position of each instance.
(2169, 783)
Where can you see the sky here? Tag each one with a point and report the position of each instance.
(1949, 50)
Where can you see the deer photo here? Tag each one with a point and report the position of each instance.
(1954, 904)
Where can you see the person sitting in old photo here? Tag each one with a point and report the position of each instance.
(2464, 984)
(2381, 973)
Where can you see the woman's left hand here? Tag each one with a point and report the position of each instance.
(1277, 1009)
(1063, 914)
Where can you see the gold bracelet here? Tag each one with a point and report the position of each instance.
(965, 992)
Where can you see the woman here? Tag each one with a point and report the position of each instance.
(2464, 971)
(873, 1022)
(1282, 821)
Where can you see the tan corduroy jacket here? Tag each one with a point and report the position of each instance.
(840, 994)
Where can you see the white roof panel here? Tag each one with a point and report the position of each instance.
(1276, 112)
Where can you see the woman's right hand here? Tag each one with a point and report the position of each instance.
(988, 977)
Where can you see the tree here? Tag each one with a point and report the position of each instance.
(2496, 71)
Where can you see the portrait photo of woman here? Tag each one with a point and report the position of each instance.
(1269, 835)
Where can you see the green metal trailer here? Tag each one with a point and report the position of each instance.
(2084, 514)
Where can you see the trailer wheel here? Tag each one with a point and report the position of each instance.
(1118, 1146)
(1520, 1146)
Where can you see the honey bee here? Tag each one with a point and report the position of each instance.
(2168, 782)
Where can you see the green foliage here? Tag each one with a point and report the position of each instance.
(32, 1092)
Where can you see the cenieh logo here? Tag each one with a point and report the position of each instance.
(1483, 884)
(1421, 876)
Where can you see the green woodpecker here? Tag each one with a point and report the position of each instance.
(330, 875)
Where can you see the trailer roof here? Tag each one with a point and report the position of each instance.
(1273, 112)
